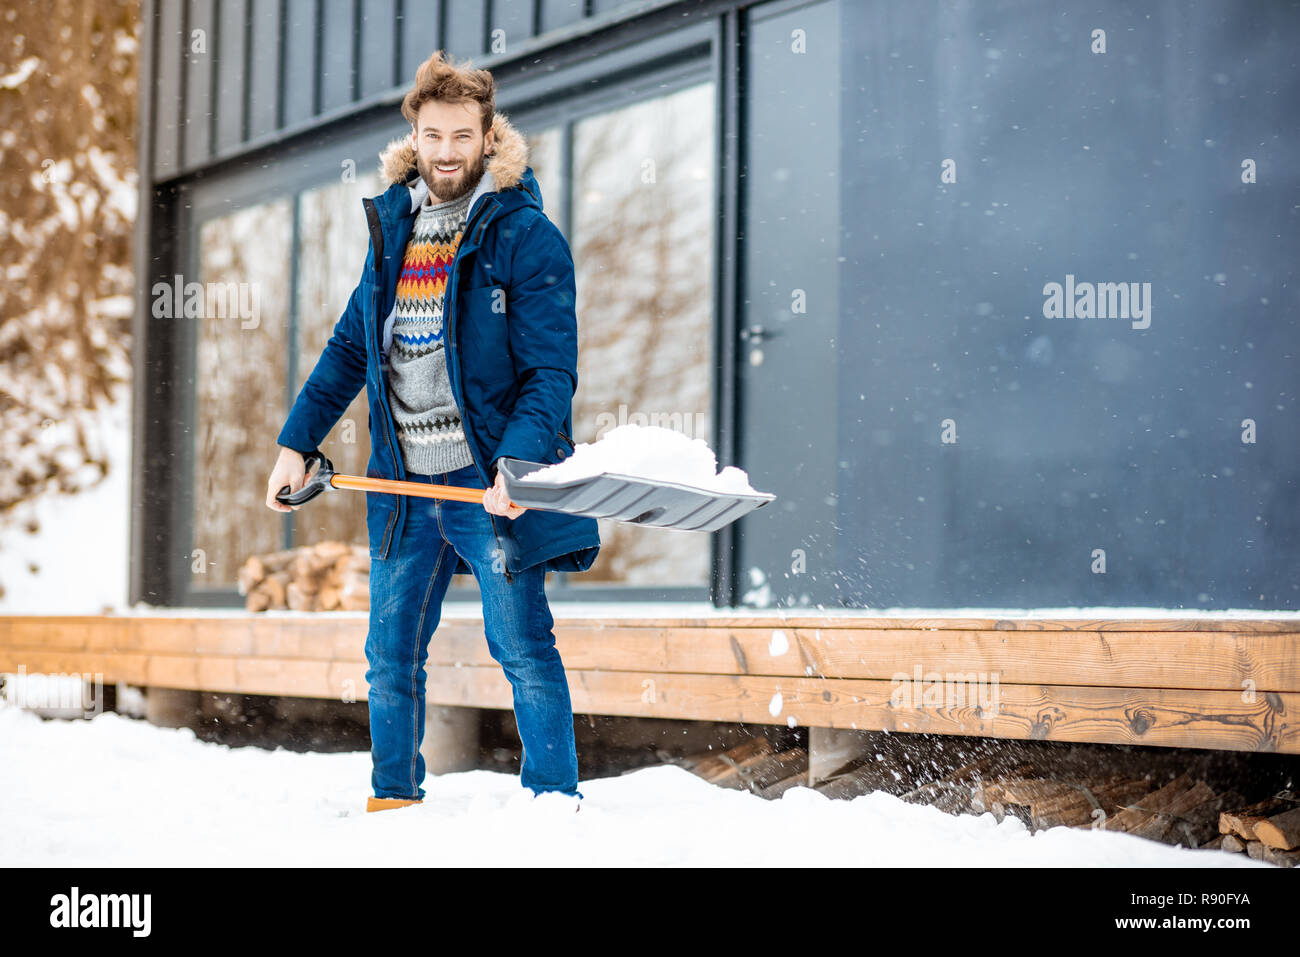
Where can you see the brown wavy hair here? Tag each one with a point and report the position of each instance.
(441, 79)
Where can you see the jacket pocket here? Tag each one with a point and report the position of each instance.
(495, 420)
(490, 299)
(483, 335)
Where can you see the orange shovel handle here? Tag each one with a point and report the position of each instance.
(418, 489)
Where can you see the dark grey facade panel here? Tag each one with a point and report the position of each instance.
(376, 41)
(199, 45)
(264, 68)
(418, 28)
(560, 13)
(336, 51)
(950, 443)
(466, 22)
(232, 73)
(298, 84)
(235, 75)
(514, 21)
(168, 57)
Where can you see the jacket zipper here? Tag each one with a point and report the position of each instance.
(376, 301)
(450, 305)
(383, 392)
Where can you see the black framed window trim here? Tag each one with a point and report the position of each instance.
(291, 359)
(201, 198)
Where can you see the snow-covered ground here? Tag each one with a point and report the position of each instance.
(114, 791)
(76, 563)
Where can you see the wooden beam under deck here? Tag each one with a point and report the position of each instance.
(1204, 683)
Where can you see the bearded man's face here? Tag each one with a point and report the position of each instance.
(450, 148)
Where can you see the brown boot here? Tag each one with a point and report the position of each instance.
(384, 804)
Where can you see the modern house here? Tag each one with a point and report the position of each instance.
(1000, 300)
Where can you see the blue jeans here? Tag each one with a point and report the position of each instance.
(406, 593)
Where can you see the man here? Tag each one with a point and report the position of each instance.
(464, 333)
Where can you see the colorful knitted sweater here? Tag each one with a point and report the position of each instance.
(429, 427)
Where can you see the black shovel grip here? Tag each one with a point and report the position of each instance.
(317, 483)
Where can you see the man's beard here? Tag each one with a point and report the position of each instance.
(443, 189)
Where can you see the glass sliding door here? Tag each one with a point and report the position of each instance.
(281, 272)
(631, 181)
(241, 341)
(642, 239)
(546, 157)
(332, 244)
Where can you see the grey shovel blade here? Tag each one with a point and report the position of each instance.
(628, 498)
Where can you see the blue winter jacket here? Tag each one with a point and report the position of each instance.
(512, 350)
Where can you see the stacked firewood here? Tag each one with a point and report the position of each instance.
(1186, 811)
(1268, 830)
(329, 576)
(1036, 799)
(754, 765)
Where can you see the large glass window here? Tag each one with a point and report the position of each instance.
(332, 244)
(919, 177)
(642, 237)
(633, 188)
(546, 157)
(270, 302)
(242, 341)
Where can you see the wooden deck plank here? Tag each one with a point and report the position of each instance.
(1111, 682)
(1153, 717)
(1221, 661)
(1146, 716)
(1226, 661)
(840, 618)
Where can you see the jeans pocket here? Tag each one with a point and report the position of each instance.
(380, 518)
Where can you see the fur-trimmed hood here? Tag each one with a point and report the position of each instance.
(506, 162)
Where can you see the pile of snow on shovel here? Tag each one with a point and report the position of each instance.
(651, 452)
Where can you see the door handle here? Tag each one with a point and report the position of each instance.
(757, 333)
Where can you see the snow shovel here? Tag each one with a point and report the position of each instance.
(623, 498)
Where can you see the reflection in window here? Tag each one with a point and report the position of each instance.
(332, 245)
(643, 235)
(544, 156)
(239, 402)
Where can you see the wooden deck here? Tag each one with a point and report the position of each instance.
(1199, 682)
